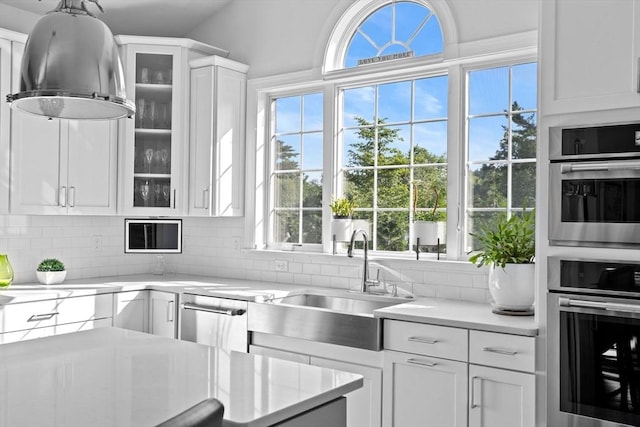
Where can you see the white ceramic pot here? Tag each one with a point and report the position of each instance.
(341, 228)
(51, 277)
(428, 232)
(512, 287)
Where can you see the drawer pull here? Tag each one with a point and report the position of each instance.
(423, 340)
(422, 362)
(500, 351)
(473, 392)
(43, 316)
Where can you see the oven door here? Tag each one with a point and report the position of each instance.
(595, 203)
(593, 361)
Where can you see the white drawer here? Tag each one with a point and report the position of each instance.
(428, 340)
(29, 334)
(502, 350)
(40, 314)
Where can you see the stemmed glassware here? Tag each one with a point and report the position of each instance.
(144, 192)
(164, 158)
(148, 156)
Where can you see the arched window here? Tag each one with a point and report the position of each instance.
(400, 29)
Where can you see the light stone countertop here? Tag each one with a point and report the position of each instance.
(444, 312)
(110, 377)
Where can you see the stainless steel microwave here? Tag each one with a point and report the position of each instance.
(153, 236)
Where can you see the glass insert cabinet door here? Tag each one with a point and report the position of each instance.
(151, 178)
(153, 137)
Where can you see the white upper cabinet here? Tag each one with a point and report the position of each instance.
(62, 166)
(217, 137)
(154, 144)
(589, 54)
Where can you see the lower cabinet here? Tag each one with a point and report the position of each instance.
(454, 377)
(364, 406)
(150, 311)
(37, 319)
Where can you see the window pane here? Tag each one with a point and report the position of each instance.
(359, 103)
(359, 187)
(312, 116)
(488, 186)
(287, 152)
(392, 232)
(395, 102)
(312, 190)
(489, 91)
(312, 227)
(286, 226)
(394, 145)
(312, 151)
(430, 142)
(476, 222)
(523, 186)
(524, 136)
(378, 26)
(359, 48)
(487, 137)
(431, 98)
(430, 184)
(288, 114)
(287, 190)
(525, 85)
(393, 188)
(358, 147)
(429, 39)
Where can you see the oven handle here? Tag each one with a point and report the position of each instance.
(214, 310)
(599, 166)
(598, 305)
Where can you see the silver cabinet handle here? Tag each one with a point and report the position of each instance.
(473, 392)
(599, 305)
(205, 198)
(599, 166)
(43, 316)
(499, 351)
(423, 340)
(422, 362)
(214, 310)
(72, 197)
(174, 198)
(63, 196)
(170, 311)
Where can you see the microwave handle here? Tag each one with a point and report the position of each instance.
(599, 166)
(598, 305)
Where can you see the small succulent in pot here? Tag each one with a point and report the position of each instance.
(51, 271)
(342, 207)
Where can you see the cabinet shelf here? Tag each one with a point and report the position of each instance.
(152, 175)
(150, 131)
(153, 87)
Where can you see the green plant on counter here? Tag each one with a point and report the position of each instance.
(342, 207)
(507, 241)
(50, 264)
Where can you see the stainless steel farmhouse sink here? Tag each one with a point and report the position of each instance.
(340, 318)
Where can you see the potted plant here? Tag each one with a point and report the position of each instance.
(429, 227)
(51, 271)
(508, 248)
(341, 226)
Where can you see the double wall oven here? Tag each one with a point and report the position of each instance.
(593, 303)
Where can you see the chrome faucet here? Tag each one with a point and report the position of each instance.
(366, 282)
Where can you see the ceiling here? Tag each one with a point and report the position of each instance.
(170, 18)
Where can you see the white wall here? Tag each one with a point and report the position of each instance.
(16, 19)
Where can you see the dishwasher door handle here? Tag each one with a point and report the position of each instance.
(214, 310)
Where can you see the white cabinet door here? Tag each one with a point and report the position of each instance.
(38, 185)
(92, 166)
(132, 310)
(163, 314)
(364, 406)
(217, 128)
(422, 390)
(501, 398)
(588, 57)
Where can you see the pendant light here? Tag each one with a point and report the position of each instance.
(71, 68)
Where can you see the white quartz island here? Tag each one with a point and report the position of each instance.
(114, 377)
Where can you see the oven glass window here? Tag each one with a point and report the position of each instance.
(609, 276)
(601, 200)
(600, 367)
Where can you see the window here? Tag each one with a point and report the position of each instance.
(394, 138)
(296, 175)
(501, 129)
(410, 136)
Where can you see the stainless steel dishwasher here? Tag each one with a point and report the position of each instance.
(218, 322)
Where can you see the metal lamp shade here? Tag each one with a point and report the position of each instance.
(71, 69)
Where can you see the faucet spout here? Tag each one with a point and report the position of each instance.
(366, 282)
